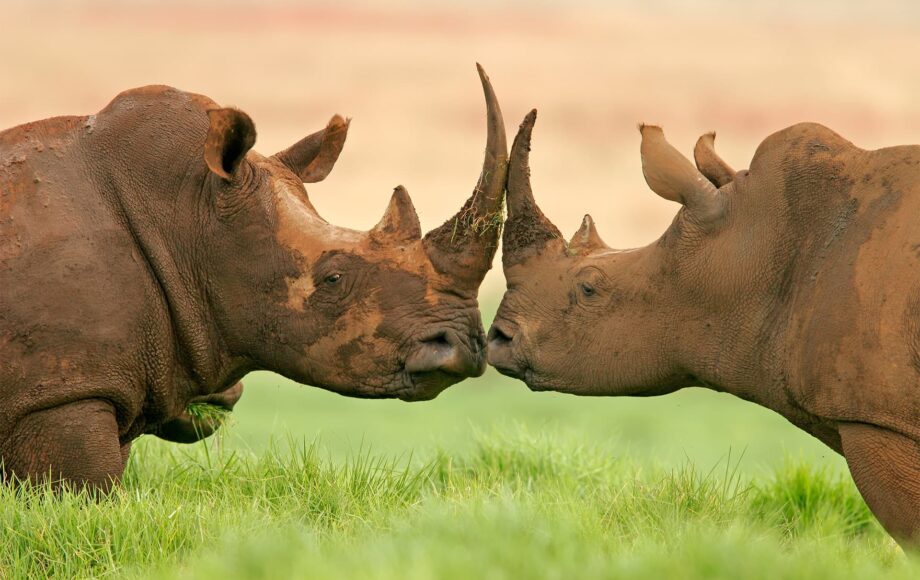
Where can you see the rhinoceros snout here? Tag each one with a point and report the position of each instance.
(501, 349)
(444, 351)
(440, 360)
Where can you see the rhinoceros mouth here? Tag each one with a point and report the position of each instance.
(522, 373)
(424, 386)
(411, 386)
(530, 378)
(439, 359)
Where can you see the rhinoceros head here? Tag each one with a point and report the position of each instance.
(379, 313)
(581, 317)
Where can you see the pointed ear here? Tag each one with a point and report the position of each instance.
(709, 163)
(231, 135)
(400, 221)
(673, 177)
(586, 239)
(313, 157)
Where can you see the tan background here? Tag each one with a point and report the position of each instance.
(404, 72)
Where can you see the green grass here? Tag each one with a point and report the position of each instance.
(693, 424)
(487, 481)
(207, 412)
(516, 505)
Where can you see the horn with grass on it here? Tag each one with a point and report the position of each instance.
(465, 244)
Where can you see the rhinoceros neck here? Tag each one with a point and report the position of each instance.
(153, 176)
(202, 354)
(798, 225)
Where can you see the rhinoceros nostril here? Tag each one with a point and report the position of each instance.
(501, 350)
(499, 336)
(438, 340)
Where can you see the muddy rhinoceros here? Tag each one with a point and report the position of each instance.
(794, 284)
(149, 258)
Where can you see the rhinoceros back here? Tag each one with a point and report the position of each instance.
(856, 348)
(73, 286)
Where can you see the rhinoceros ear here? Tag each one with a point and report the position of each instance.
(673, 177)
(709, 163)
(231, 135)
(313, 157)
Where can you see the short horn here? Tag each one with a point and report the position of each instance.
(709, 163)
(400, 221)
(465, 244)
(527, 230)
(586, 239)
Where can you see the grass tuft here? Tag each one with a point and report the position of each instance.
(800, 498)
(466, 222)
(208, 412)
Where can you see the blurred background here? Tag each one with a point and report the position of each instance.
(404, 71)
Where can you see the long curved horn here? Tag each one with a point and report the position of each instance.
(527, 230)
(464, 245)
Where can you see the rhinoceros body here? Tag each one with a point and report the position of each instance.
(149, 259)
(794, 284)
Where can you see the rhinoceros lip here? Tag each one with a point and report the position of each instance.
(513, 370)
(533, 382)
(526, 373)
(425, 386)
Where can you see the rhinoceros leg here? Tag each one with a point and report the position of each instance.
(75, 443)
(886, 468)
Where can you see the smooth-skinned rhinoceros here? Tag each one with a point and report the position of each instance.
(794, 284)
(150, 258)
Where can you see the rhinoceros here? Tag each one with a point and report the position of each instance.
(794, 284)
(150, 258)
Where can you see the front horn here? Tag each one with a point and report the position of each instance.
(527, 230)
(464, 245)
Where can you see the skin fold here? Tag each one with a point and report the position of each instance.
(793, 284)
(149, 259)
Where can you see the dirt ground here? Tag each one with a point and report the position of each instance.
(405, 73)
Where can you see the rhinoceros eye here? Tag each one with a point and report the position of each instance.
(587, 289)
(332, 279)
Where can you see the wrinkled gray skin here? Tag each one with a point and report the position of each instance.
(794, 284)
(149, 258)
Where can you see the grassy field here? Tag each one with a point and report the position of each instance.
(487, 481)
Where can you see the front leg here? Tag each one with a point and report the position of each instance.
(187, 428)
(75, 444)
(886, 468)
